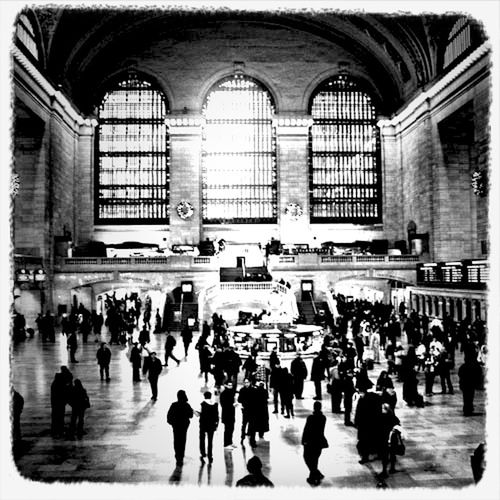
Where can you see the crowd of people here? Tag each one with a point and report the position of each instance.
(363, 334)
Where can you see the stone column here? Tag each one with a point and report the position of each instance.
(292, 135)
(84, 184)
(185, 176)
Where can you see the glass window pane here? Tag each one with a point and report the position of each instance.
(239, 154)
(344, 154)
(133, 155)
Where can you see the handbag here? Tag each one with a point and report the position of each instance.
(396, 442)
(324, 442)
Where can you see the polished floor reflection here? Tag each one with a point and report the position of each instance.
(129, 441)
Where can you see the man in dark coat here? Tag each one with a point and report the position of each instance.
(317, 375)
(247, 400)
(275, 384)
(469, 377)
(298, 370)
(314, 440)
(136, 360)
(232, 365)
(72, 344)
(187, 338)
(286, 392)
(170, 343)
(366, 420)
(179, 416)
(155, 369)
(103, 356)
(227, 402)
(209, 420)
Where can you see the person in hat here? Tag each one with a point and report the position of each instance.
(255, 476)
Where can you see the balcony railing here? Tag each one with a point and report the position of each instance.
(320, 260)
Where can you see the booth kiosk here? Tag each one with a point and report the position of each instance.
(287, 338)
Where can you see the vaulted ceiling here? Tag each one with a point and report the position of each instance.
(402, 54)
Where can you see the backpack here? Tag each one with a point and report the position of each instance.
(396, 443)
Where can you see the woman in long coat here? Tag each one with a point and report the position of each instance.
(261, 410)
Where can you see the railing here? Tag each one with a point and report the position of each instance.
(247, 285)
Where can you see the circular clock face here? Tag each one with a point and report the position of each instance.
(185, 210)
(293, 211)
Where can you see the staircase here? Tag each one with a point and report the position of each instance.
(306, 308)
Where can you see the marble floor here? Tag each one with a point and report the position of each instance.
(128, 440)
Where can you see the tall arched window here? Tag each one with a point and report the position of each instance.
(133, 155)
(239, 153)
(25, 33)
(344, 154)
(459, 41)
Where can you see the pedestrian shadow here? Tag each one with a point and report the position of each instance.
(228, 463)
(200, 474)
(142, 413)
(176, 476)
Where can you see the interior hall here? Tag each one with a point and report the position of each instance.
(250, 247)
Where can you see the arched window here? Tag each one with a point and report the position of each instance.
(25, 33)
(344, 154)
(133, 155)
(459, 41)
(239, 153)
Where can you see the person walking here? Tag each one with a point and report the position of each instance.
(187, 338)
(136, 360)
(286, 393)
(103, 356)
(170, 343)
(317, 375)
(314, 441)
(348, 390)
(247, 400)
(261, 409)
(58, 399)
(387, 422)
(444, 365)
(72, 345)
(275, 384)
(469, 376)
(232, 365)
(154, 371)
(144, 337)
(227, 403)
(209, 420)
(299, 372)
(366, 419)
(79, 402)
(179, 417)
